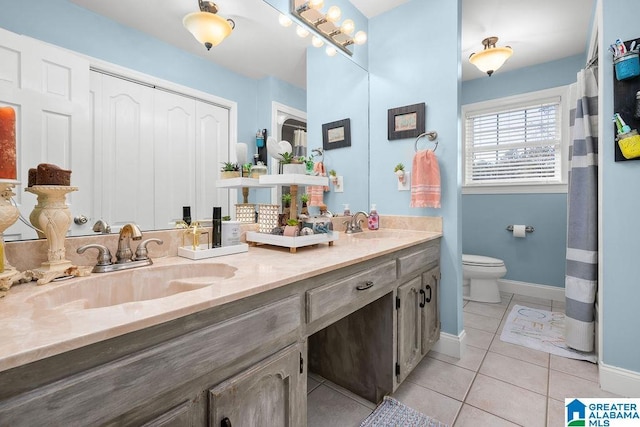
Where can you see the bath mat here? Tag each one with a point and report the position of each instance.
(540, 330)
(391, 413)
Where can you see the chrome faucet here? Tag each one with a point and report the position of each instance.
(101, 227)
(124, 256)
(353, 226)
(127, 232)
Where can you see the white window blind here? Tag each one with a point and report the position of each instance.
(520, 144)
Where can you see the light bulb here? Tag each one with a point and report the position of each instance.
(317, 41)
(301, 32)
(333, 14)
(347, 26)
(284, 20)
(360, 37)
(331, 51)
(316, 4)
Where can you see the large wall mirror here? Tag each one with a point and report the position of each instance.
(132, 170)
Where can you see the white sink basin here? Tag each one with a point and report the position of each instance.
(143, 284)
(380, 234)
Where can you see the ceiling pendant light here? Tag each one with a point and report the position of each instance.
(206, 26)
(492, 57)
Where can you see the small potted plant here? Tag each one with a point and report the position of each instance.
(304, 199)
(333, 175)
(292, 228)
(291, 164)
(286, 200)
(399, 171)
(229, 170)
(309, 164)
(246, 170)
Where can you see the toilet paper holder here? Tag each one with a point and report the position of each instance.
(528, 228)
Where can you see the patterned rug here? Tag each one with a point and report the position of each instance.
(540, 330)
(391, 413)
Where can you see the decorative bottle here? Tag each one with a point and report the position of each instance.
(373, 223)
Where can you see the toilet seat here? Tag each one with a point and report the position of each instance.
(481, 261)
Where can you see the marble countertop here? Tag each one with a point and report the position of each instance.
(35, 327)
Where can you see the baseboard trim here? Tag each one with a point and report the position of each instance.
(531, 289)
(619, 381)
(451, 345)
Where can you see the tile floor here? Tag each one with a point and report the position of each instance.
(494, 384)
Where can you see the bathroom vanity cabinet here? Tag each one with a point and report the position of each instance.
(246, 361)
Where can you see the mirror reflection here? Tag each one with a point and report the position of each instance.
(144, 125)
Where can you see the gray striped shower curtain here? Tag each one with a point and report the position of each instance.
(581, 277)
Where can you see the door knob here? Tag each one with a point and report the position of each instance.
(80, 220)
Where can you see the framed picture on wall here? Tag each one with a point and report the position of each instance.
(336, 134)
(406, 122)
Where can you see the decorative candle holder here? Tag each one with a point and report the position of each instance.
(52, 217)
(267, 217)
(246, 213)
(8, 216)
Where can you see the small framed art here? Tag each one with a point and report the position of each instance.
(336, 134)
(406, 122)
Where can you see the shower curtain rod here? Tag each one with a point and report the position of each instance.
(295, 126)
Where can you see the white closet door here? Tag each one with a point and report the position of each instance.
(127, 153)
(174, 147)
(49, 89)
(212, 148)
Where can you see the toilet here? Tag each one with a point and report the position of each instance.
(480, 276)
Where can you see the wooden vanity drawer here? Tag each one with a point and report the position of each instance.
(420, 259)
(331, 297)
(95, 396)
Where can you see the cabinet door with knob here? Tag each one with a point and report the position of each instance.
(418, 320)
(430, 315)
(408, 306)
(271, 393)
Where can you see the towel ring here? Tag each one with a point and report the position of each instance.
(318, 152)
(432, 135)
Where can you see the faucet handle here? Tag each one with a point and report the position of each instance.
(104, 255)
(141, 251)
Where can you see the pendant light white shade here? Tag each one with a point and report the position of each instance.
(492, 57)
(207, 27)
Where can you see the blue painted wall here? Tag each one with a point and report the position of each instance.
(537, 77)
(65, 24)
(337, 89)
(408, 64)
(620, 201)
(540, 257)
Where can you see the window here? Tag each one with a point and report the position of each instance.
(516, 143)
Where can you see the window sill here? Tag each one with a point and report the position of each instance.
(515, 189)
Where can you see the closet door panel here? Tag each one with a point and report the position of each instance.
(174, 149)
(211, 148)
(127, 154)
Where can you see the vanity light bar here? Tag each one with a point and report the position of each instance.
(331, 32)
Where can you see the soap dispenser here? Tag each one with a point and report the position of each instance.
(373, 223)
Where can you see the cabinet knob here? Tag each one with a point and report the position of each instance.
(367, 285)
(429, 297)
(226, 422)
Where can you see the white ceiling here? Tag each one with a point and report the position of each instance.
(538, 31)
